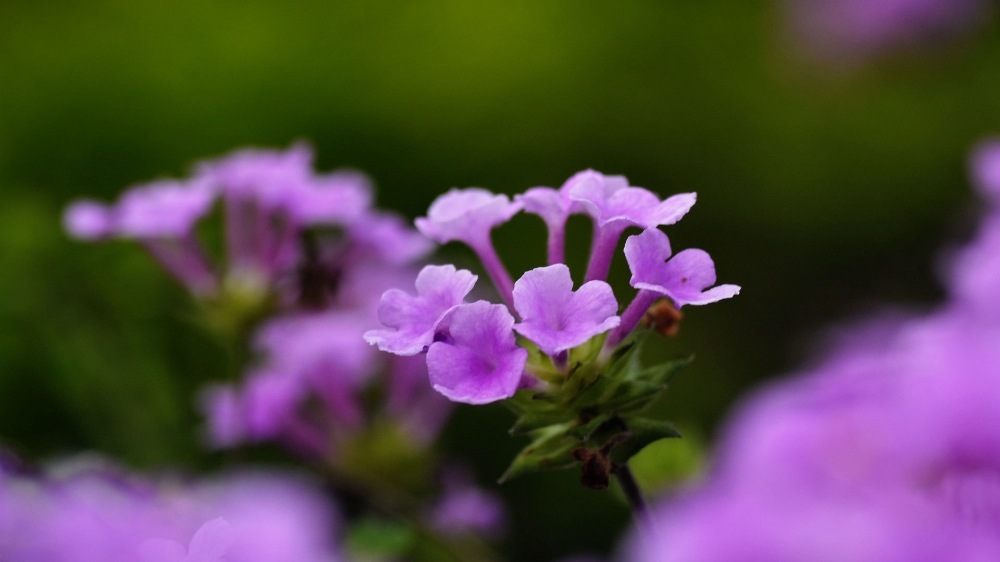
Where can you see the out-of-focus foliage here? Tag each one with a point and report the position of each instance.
(819, 189)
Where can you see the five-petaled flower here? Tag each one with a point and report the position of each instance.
(554, 316)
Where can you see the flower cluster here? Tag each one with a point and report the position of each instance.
(100, 514)
(306, 260)
(547, 338)
(890, 450)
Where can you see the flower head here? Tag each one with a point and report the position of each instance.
(685, 278)
(412, 320)
(478, 360)
(557, 318)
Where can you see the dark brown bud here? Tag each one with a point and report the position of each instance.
(663, 318)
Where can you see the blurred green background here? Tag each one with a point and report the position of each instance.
(822, 190)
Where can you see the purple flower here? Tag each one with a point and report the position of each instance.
(161, 209)
(100, 514)
(391, 238)
(478, 361)
(269, 178)
(685, 278)
(468, 216)
(985, 168)
(161, 215)
(554, 316)
(858, 29)
(465, 508)
(555, 207)
(338, 198)
(209, 544)
(615, 206)
(412, 320)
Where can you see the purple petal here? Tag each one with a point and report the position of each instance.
(481, 364)
(468, 509)
(684, 278)
(87, 220)
(162, 550)
(162, 209)
(338, 198)
(466, 215)
(226, 418)
(272, 178)
(412, 320)
(611, 201)
(328, 344)
(548, 203)
(272, 402)
(212, 541)
(985, 168)
(391, 237)
(556, 318)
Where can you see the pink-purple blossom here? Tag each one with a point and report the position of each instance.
(555, 317)
(614, 205)
(412, 320)
(468, 216)
(684, 278)
(477, 360)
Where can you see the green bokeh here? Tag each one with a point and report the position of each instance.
(821, 191)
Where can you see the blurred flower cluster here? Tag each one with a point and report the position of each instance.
(287, 268)
(888, 450)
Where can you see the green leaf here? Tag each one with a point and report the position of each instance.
(533, 421)
(550, 450)
(644, 431)
(583, 432)
(663, 373)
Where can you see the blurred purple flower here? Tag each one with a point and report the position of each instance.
(410, 400)
(468, 216)
(615, 206)
(466, 508)
(554, 316)
(96, 515)
(857, 29)
(412, 321)
(391, 238)
(161, 215)
(888, 450)
(984, 167)
(209, 544)
(477, 361)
